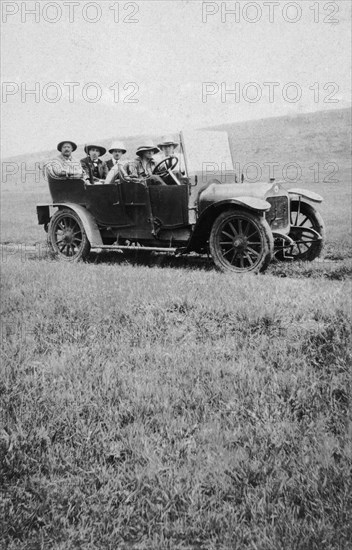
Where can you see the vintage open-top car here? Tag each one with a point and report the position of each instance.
(242, 225)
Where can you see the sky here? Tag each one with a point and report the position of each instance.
(114, 69)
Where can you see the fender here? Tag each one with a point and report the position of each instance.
(89, 224)
(253, 203)
(310, 195)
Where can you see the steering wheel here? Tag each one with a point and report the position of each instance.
(170, 164)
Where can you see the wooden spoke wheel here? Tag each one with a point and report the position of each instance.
(307, 231)
(241, 242)
(67, 237)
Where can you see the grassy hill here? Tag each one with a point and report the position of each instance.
(323, 136)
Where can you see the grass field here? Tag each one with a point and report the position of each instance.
(154, 403)
(173, 408)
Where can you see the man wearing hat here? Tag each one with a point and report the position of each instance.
(65, 166)
(168, 146)
(142, 167)
(116, 165)
(95, 168)
(117, 150)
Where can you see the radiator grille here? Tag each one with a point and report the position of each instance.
(277, 216)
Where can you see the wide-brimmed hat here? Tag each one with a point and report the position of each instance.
(59, 145)
(117, 146)
(102, 150)
(148, 146)
(166, 141)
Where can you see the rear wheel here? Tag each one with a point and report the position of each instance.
(308, 232)
(67, 237)
(241, 242)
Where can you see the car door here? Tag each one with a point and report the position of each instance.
(105, 204)
(136, 201)
(169, 205)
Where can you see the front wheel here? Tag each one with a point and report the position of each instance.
(241, 242)
(67, 237)
(307, 231)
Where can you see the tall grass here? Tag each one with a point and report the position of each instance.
(173, 408)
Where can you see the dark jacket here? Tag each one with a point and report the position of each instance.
(110, 164)
(98, 171)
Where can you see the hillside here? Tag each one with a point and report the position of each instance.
(317, 143)
(323, 137)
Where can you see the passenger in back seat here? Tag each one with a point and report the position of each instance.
(95, 168)
(116, 165)
(64, 165)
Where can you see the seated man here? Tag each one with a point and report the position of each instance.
(141, 169)
(95, 168)
(168, 146)
(117, 150)
(64, 166)
(116, 165)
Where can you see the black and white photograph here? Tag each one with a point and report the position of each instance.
(176, 265)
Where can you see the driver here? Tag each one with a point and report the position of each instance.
(168, 146)
(143, 166)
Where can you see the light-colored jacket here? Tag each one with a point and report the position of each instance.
(117, 171)
(61, 167)
(136, 169)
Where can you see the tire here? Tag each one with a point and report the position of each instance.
(67, 237)
(304, 218)
(241, 242)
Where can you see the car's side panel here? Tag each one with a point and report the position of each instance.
(103, 201)
(310, 195)
(105, 204)
(67, 190)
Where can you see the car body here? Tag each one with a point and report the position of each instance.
(242, 225)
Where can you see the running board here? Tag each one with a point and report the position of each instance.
(135, 248)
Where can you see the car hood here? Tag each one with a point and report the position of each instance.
(215, 192)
